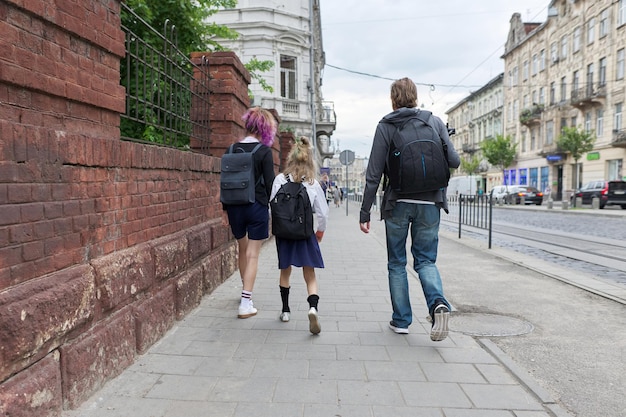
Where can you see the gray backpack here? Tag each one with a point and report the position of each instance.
(237, 182)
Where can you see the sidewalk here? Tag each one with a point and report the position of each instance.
(213, 364)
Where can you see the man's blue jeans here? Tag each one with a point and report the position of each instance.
(423, 222)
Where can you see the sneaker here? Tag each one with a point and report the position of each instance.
(314, 323)
(399, 330)
(245, 312)
(285, 316)
(439, 330)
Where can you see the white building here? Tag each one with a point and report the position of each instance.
(289, 34)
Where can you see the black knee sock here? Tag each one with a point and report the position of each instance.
(313, 300)
(284, 296)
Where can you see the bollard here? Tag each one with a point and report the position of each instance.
(579, 202)
(595, 203)
(522, 201)
(550, 204)
(564, 204)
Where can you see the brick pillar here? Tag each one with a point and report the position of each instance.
(229, 97)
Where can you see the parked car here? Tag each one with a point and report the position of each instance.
(593, 189)
(531, 195)
(616, 194)
(499, 192)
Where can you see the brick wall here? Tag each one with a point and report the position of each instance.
(103, 243)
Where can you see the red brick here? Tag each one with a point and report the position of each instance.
(89, 362)
(153, 317)
(34, 316)
(10, 214)
(31, 212)
(36, 391)
(123, 275)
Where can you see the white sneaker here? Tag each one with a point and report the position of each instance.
(246, 311)
(314, 323)
(285, 316)
(439, 330)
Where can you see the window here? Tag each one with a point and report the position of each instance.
(574, 121)
(602, 73)
(618, 116)
(591, 26)
(525, 71)
(542, 95)
(552, 93)
(619, 75)
(615, 169)
(575, 81)
(604, 23)
(621, 14)
(590, 79)
(563, 123)
(288, 87)
(588, 122)
(563, 89)
(515, 76)
(549, 132)
(564, 47)
(576, 40)
(542, 60)
(599, 122)
(554, 52)
(535, 64)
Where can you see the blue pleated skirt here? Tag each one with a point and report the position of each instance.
(305, 252)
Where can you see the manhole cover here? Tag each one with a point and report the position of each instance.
(480, 324)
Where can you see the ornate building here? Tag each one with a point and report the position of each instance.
(289, 35)
(566, 71)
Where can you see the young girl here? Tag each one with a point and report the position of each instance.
(250, 222)
(304, 253)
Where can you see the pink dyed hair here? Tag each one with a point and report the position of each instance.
(260, 122)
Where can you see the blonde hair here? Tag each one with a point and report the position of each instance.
(403, 93)
(300, 161)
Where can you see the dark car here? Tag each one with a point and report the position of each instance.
(616, 194)
(593, 189)
(530, 195)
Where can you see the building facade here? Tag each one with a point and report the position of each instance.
(476, 118)
(290, 36)
(566, 71)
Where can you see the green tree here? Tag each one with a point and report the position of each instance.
(470, 165)
(576, 142)
(499, 151)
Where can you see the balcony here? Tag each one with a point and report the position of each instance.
(588, 95)
(619, 138)
(470, 148)
(531, 115)
(549, 149)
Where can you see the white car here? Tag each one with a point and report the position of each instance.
(499, 193)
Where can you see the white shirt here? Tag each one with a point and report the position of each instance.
(316, 195)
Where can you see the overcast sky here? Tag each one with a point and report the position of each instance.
(453, 45)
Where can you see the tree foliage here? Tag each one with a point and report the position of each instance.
(499, 151)
(471, 165)
(575, 141)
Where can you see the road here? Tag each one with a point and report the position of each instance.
(577, 349)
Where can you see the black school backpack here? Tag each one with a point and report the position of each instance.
(292, 213)
(237, 182)
(418, 158)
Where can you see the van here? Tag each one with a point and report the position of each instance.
(467, 185)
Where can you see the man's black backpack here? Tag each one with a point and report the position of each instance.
(292, 214)
(237, 183)
(418, 158)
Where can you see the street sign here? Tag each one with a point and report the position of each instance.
(346, 157)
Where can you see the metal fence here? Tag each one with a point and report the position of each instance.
(472, 210)
(167, 95)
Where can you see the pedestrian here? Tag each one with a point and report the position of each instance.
(249, 223)
(304, 253)
(418, 213)
(337, 196)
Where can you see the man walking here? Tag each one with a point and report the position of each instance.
(414, 211)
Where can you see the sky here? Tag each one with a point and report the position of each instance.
(449, 48)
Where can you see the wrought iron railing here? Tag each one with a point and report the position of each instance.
(167, 95)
